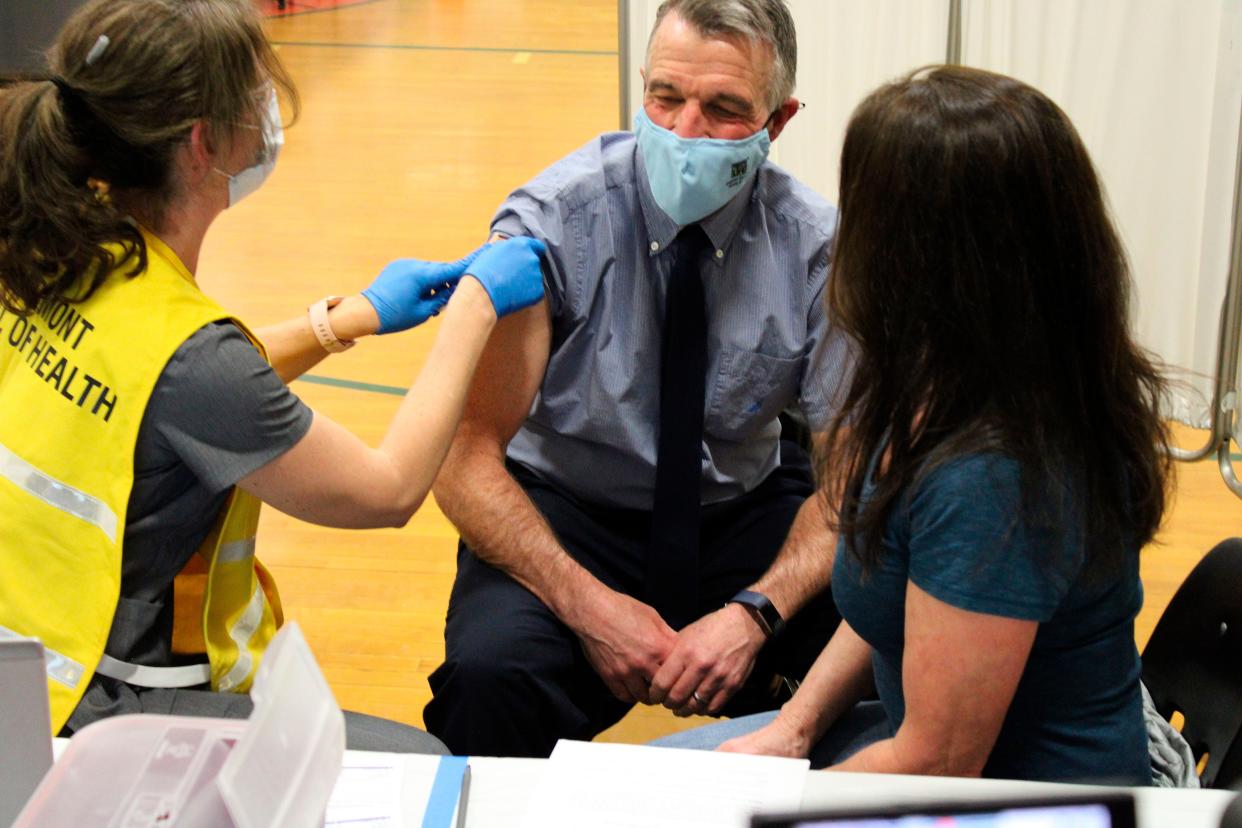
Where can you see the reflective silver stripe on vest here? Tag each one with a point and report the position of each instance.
(60, 495)
(59, 666)
(235, 551)
(241, 633)
(141, 675)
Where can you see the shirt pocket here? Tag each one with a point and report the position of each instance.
(748, 391)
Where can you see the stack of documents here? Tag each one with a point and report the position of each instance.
(582, 784)
(390, 790)
(618, 786)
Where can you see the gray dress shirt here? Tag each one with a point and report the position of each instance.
(592, 428)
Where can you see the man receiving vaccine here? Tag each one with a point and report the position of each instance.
(634, 529)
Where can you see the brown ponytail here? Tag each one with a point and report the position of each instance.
(52, 226)
(109, 119)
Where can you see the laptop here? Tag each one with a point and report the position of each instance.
(1102, 810)
(25, 724)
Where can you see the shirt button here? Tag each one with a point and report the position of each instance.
(655, 246)
(719, 254)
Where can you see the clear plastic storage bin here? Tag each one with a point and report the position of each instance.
(276, 768)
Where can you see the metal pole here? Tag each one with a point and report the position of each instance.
(1227, 470)
(953, 50)
(1226, 412)
(1227, 378)
(1225, 395)
(623, 60)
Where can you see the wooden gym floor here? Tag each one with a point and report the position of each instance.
(419, 116)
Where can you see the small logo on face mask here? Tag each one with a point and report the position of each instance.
(736, 173)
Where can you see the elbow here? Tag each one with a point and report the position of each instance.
(947, 762)
(446, 491)
(444, 482)
(940, 758)
(966, 767)
(469, 461)
(404, 508)
(396, 493)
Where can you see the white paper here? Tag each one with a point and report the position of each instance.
(382, 790)
(419, 776)
(368, 791)
(617, 786)
(501, 789)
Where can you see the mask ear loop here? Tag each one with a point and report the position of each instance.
(768, 123)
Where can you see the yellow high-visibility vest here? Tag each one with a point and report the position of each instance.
(75, 380)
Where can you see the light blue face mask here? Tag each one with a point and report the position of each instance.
(245, 182)
(692, 178)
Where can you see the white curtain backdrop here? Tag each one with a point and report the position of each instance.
(637, 17)
(1154, 87)
(846, 48)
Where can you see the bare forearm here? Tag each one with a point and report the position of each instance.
(292, 347)
(422, 430)
(332, 478)
(499, 522)
(803, 567)
(838, 680)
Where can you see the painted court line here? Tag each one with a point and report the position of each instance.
(353, 385)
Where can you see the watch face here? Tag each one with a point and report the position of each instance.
(772, 617)
(762, 609)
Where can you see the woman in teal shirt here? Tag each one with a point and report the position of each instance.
(998, 462)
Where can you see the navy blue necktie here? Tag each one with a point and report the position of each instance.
(673, 559)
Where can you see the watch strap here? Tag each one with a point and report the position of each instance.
(762, 610)
(322, 328)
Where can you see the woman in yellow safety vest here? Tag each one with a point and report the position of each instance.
(140, 422)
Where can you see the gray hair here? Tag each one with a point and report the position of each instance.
(767, 21)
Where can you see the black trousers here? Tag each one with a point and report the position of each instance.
(515, 679)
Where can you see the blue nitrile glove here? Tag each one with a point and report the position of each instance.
(510, 272)
(408, 292)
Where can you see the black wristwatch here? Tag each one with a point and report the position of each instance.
(762, 610)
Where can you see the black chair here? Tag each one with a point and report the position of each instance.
(1193, 663)
(1232, 817)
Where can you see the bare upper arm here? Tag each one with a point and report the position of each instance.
(332, 478)
(507, 378)
(960, 670)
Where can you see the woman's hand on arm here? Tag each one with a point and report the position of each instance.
(960, 670)
(840, 677)
(406, 293)
(333, 478)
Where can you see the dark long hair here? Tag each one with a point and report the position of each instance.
(978, 271)
(111, 116)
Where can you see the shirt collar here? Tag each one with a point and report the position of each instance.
(661, 230)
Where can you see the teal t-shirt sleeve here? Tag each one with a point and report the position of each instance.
(970, 547)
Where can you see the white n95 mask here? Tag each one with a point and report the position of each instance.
(691, 178)
(242, 184)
